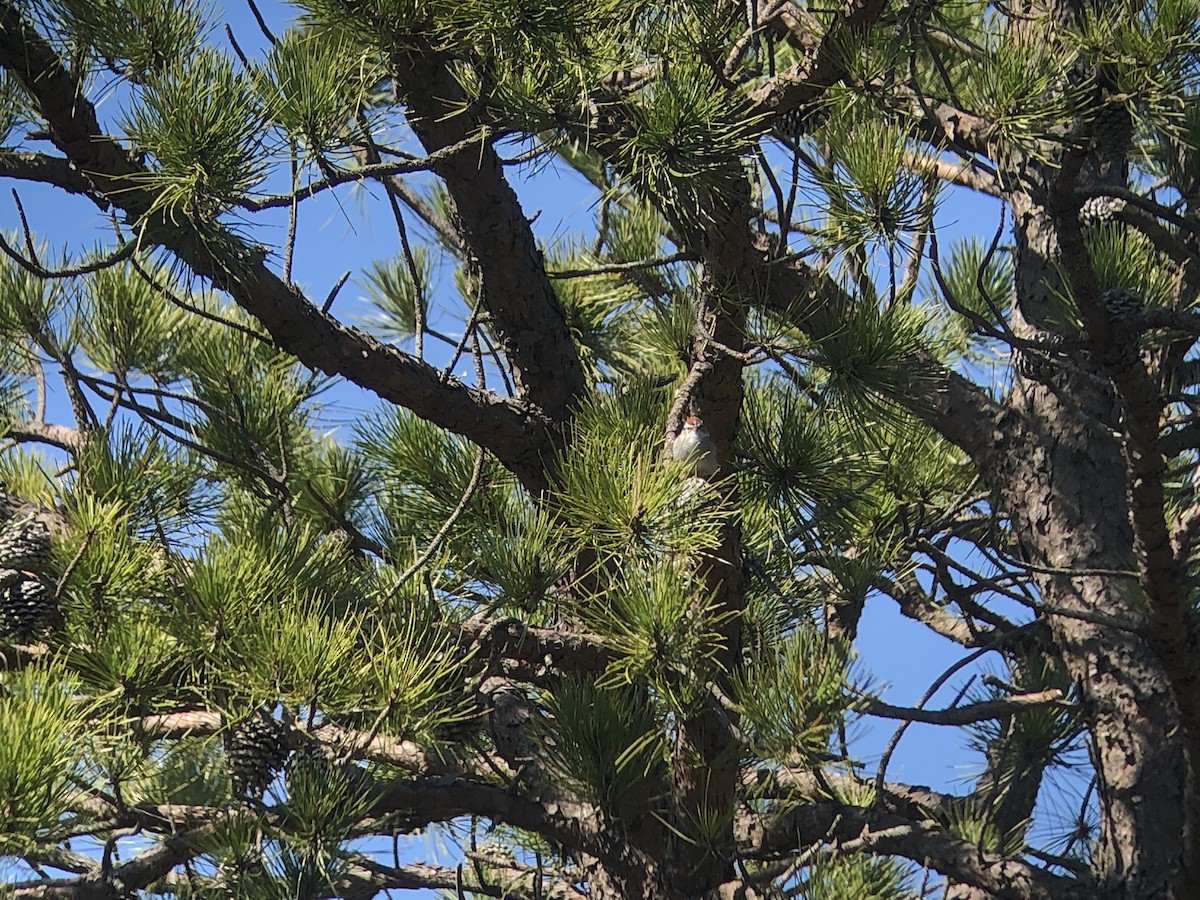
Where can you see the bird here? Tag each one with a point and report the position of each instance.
(695, 445)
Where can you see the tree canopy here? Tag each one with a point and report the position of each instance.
(244, 652)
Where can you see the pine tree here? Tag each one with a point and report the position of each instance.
(244, 652)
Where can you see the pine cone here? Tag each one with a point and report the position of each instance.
(790, 123)
(1099, 210)
(1122, 305)
(9, 504)
(25, 545)
(1041, 361)
(255, 749)
(26, 609)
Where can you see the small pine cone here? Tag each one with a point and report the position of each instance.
(313, 761)
(494, 853)
(790, 123)
(1040, 362)
(255, 749)
(1050, 341)
(1027, 364)
(9, 504)
(1122, 305)
(26, 609)
(1100, 210)
(25, 545)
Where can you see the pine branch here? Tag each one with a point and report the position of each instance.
(534, 655)
(960, 411)
(968, 173)
(64, 860)
(606, 268)
(974, 712)
(995, 645)
(119, 255)
(403, 754)
(793, 93)
(139, 873)
(1148, 206)
(299, 327)
(1161, 572)
(523, 307)
(915, 603)
(1167, 242)
(51, 170)
(941, 123)
(790, 785)
(375, 171)
(402, 805)
(64, 437)
(958, 44)
(920, 841)
(416, 803)
(506, 880)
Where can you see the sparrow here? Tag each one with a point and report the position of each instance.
(695, 445)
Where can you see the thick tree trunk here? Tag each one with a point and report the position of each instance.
(706, 752)
(1065, 487)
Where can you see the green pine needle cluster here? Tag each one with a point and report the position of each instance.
(794, 695)
(136, 38)
(42, 727)
(207, 155)
(607, 743)
(313, 87)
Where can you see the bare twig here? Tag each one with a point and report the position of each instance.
(30, 249)
(122, 253)
(607, 268)
(683, 401)
(289, 244)
(171, 298)
(965, 715)
(237, 50)
(375, 170)
(333, 292)
(70, 569)
(468, 330)
(262, 23)
(885, 758)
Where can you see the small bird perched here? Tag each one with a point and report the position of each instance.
(695, 445)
